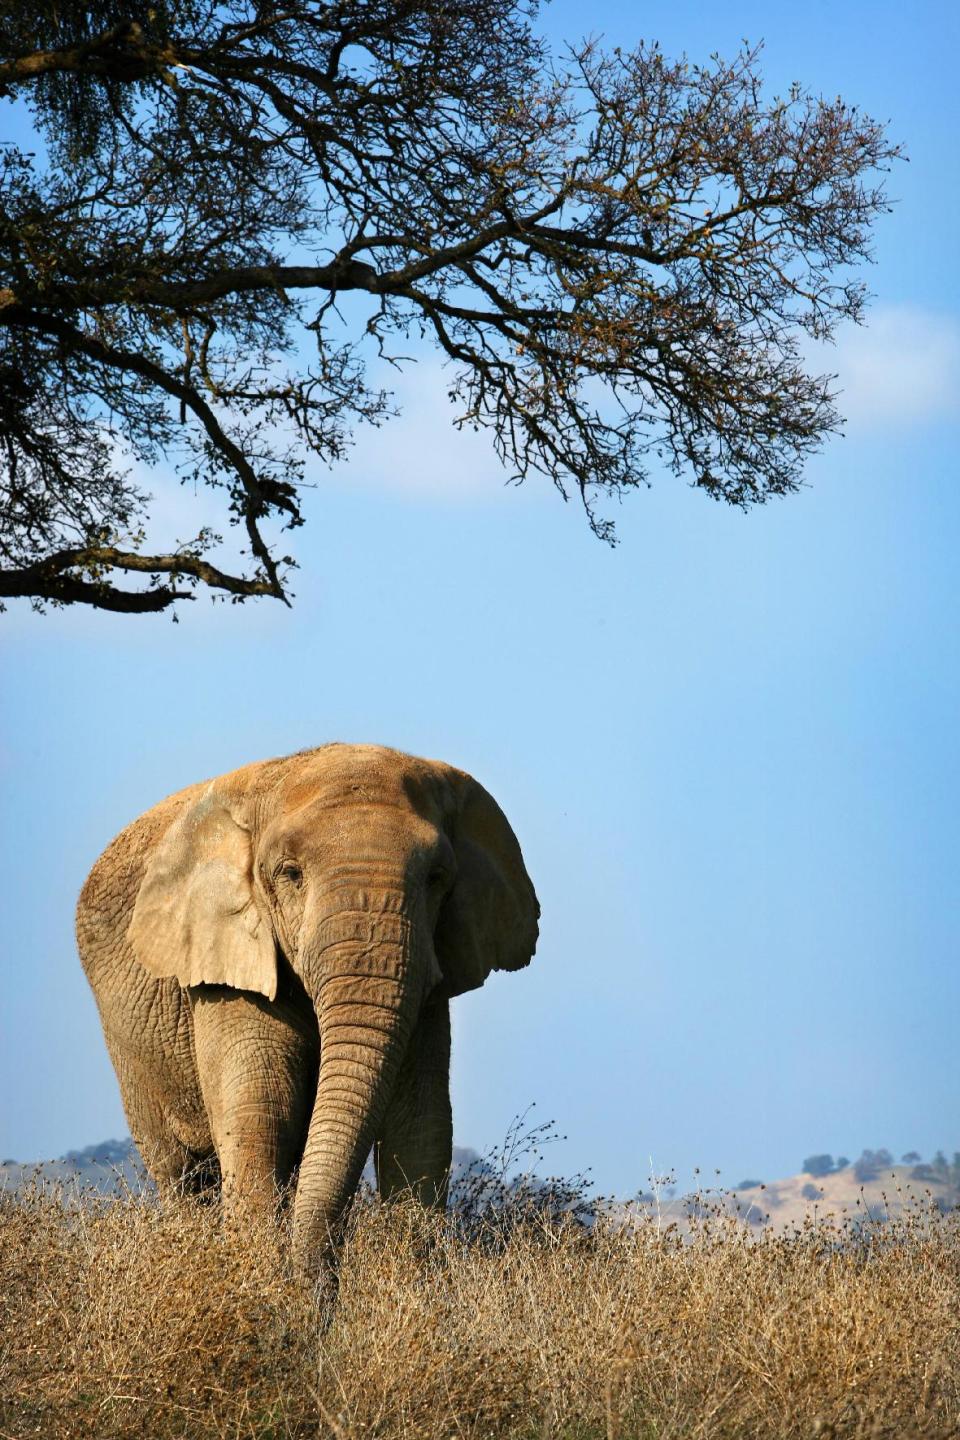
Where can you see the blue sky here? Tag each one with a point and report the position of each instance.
(729, 747)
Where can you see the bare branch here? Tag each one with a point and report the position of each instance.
(64, 579)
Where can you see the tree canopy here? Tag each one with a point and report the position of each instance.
(618, 254)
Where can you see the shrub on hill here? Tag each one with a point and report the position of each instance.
(817, 1165)
(871, 1164)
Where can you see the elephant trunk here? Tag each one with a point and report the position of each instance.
(367, 994)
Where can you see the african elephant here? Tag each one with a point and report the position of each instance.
(273, 953)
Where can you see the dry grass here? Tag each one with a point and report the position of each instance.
(119, 1319)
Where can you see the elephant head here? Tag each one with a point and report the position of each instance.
(380, 880)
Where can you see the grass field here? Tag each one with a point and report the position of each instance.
(120, 1319)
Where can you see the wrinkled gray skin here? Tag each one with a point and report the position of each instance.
(273, 954)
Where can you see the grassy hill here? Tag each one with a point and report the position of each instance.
(108, 1168)
(113, 1167)
(896, 1190)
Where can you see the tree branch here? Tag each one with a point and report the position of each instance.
(259, 502)
(51, 579)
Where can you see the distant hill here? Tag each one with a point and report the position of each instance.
(113, 1166)
(109, 1167)
(785, 1203)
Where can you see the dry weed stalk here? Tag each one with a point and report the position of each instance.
(122, 1319)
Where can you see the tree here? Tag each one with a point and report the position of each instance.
(818, 1165)
(871, 1163)
(617, 254)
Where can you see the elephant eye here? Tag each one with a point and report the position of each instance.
(290, 872)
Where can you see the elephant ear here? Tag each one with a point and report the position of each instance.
(197, 917)
(489, 919)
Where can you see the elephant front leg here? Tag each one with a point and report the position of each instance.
(257, 1063)
(416, 1139)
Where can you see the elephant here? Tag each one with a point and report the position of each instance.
(273, 953)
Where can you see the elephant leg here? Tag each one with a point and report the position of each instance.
(414, 1147)
(257, 1062)
(180, 1159)
(155, 1068)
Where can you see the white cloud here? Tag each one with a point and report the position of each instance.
(418, 456)
(420, 453)
(177, 513)
(902, 367)
(174, 515)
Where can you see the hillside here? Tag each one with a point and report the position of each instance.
(785, 1204)
(113, 1166)
(108, 1167)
